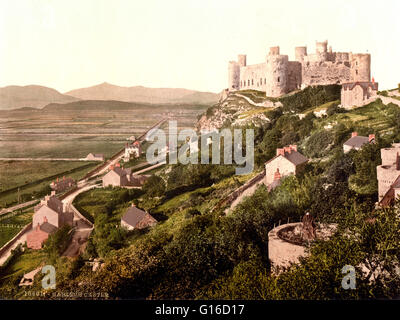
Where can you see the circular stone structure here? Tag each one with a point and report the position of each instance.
(286, 243)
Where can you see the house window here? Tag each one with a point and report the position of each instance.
(248, 82)
(356, 71)
(279, 79)
(265, 80)
(252, 82)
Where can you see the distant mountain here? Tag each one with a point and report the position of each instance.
(12, 97)
(106, 91)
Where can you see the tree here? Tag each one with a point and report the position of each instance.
(154, 186)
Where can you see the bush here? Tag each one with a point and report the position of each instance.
(311, 97)
(318, 143)
(154, 186)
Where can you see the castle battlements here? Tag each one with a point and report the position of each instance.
(278, 75)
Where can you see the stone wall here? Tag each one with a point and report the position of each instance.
(387, 173)
(280, 252)
(324, 73)
(253, 77)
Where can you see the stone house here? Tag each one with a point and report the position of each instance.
(120, 177)
(356, 142)
(134, 218)
(95, 157)
(48, 217)
(388, 175)
(63, 185)
(134, 149)
(358, 93)
(287, 161)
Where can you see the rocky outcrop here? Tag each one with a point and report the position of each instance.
(236, 109)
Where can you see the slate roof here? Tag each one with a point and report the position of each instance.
(389, 196)
(357, 141)
(48, 227)
(133, 216)
(294, 157)
(121, 172)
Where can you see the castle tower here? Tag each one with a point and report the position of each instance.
(300, 52)
(322, 47)
(242, 60)
(233, 75)
(274, 51)
(360, 67)
(322, 50)
(277, 73)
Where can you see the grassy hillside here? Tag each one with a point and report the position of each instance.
(197, 252)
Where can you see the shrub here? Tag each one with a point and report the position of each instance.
(318, 144)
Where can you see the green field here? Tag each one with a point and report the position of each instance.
(75, 132)
(11, 224)
(33, 177)
(374, 115)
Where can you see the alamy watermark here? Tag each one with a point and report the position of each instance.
(189, 150)
(349, 280)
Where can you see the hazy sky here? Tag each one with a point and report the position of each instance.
(182, 43)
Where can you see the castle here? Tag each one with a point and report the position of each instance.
(277, 75)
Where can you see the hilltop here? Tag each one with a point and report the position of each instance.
(252, 107)
(12, 97)
(106, 91)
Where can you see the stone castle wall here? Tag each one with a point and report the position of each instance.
(277, 75)
(387, 172)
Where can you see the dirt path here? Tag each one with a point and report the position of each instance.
(18, 206)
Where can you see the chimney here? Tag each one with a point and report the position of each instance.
(354, 134)
(373, 80)
(287, 150)
(277, 175)
(280, 151)
(293, 147)
(57, 179)
(371, 137)
(133, 205)
(117, 165)
(111, 167)
(64, 178)
(397, 161)
(53, 193)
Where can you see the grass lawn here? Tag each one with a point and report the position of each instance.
(374, 115)
(94, 201)
(11, 224)
(19, 173)
(24, 263)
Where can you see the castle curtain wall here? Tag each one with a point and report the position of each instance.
(253, 77)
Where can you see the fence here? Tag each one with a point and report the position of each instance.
(239, 191)
(76, 211)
